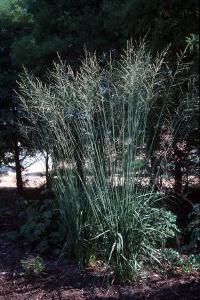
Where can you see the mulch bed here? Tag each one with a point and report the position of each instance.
(65, 280)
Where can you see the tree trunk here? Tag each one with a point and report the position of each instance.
(178, 176)
(154, 172)
(47, 169)
(18, 168)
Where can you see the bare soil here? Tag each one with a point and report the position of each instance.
(64, 280)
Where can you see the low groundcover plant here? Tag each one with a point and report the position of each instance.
(33, 265)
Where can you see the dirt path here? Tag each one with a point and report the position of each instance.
(65, 281)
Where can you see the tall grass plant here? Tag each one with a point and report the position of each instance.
(95, 123)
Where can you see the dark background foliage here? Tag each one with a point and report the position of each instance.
(34, 32)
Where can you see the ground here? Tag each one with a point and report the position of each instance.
(64, 280)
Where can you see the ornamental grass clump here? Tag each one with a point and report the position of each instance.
(94, 124)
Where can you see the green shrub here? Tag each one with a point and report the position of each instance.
(33, 265)
(193, 230)
(182, 263)
(42, 227)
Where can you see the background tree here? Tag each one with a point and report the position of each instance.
(67, 27)
(34, 32)
(13, 24)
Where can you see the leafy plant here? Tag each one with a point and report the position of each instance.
(194, 226)
(194, 261)
(42, 227)
(193, 229)
(33, 265)
(177, 262)
(193, 42)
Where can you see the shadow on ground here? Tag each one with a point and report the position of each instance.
(64, 280)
